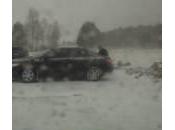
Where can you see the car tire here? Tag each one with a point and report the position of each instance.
(94, 74)
(28, 75)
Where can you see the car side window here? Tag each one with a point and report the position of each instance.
(83, 53)
(62, 53)
(50, 54)
(69, 52)
(79, 53)
(91, 53)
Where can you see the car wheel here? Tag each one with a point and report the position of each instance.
(94, 74)
(28, 75)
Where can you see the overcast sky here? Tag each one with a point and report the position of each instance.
(107, 14)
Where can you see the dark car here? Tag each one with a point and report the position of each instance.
(72, 63)
(18, 52)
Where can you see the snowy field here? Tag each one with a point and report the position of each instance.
(118, 102)
(137, 57)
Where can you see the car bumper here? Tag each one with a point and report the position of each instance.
(109, 69)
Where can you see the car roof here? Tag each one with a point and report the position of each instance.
(76, 48)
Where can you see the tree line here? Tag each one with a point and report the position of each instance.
(38, 33)
(148, 36)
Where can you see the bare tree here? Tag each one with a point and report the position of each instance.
(45, 26)
(33, 29)
(54, 35)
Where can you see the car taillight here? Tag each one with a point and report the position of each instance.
(108, 61)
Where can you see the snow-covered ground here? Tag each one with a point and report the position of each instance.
(137, 57)
(118, 102)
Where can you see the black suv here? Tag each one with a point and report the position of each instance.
(73, 63)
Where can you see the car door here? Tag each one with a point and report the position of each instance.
(80, 60)
(50, 62)
(58, 62)
(63, 61)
